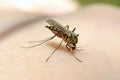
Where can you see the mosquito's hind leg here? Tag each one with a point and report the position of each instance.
(49, 38)
(43, 41)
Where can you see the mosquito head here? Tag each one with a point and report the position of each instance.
(72, 41)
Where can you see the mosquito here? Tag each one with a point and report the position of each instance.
(69, 37)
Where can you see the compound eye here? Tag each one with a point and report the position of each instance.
(73, 48)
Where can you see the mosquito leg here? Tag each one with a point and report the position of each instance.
(54, 51)
(73, 29)
(41, 42)
(67, 26)
(49, 38)
(76, 58)
(80, 49)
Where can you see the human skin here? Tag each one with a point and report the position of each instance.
(98, 27)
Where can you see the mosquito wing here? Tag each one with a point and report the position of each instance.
(54, 23)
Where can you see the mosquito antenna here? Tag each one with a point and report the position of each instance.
(54, 51)
(79, 49)
(76, 58)
(82, 46)
(41, 43)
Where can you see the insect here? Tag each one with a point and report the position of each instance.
(69, 37)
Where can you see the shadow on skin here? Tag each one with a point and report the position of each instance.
(62, 47)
